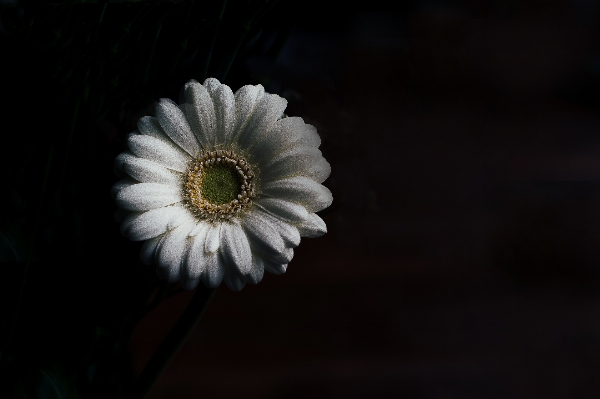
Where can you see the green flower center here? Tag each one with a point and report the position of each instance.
(220, 185)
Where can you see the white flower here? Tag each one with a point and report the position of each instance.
(221, 186)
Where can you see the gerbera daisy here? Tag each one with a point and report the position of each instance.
(221, 186)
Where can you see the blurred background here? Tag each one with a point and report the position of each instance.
(462, 258)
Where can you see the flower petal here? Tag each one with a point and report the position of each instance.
(150, 126)
(122, 158)
(297, 161)
(285, 133)
(121, 184)
(215, 270)
(161, 152)
(235, 247)
(200, 112)
(246, 99)
(172, 250)
(312, 227)
(235, 282)
(147, 171)
(299, 189)
(195, 262)
(149, 250)
(201, 228)
(288, 211)
(275, 268)
(258, 269)
(213, 239)
(211, 84)
(152, 223)
(145, 196)
(188, 284)
(262, 235)
(225, 112)
(176, 126)
(289, 233)
(269, 108)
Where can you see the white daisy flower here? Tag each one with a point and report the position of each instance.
(221, 186)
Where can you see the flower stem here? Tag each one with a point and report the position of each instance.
(173, 342)
(214, 39)
(245, 29)
(31, 248)
(149, 62)
(63, 169)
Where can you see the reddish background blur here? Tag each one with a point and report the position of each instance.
(463, 253)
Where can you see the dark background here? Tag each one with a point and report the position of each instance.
(462, 258)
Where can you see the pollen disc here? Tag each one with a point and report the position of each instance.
(219, 185)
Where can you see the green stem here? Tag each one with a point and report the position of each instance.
(138, 315)
(187, 17)
(247, 25)
(29, 28)
(214, 39)
(235, 50)
(98, 23)
(31, 247)
(64, 27)
(152, 52)
(100, 19)
(280, 41)
(68, 146)
(173, 342)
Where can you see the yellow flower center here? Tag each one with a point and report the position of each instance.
(219, 185)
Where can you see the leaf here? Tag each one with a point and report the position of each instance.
(11, 247)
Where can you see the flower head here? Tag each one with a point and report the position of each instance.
(221, 186)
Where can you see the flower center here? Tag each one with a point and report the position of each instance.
(218, 185)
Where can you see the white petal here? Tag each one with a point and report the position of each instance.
(176, 126)
(213, 239)
(184, 216)
(258, 269)
(235, 247)
(121, 184)
(268, 110)
(225, 112)
(246, 99)
(201, 228)
(149, 250)
(150, 126)
(215, 270)
(151, 223)
(275, 268)
(129, 218)
(195, 262)
(211, 85)
(288, 211)
(166, 154)
(172, 250)
(188, 284)
(285, 133)
(262, 235)
(147, 171)
(234, 282)
(312, 227)
(145, 196)
(288, 232)
(303, 190)
(200, 112)
(122, 157)
(297, 161)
